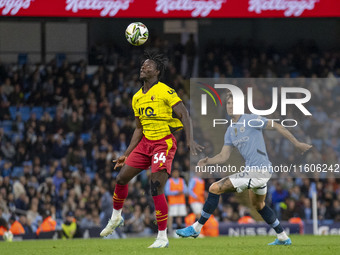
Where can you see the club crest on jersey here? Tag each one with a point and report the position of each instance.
(242, 129)
(152, 98)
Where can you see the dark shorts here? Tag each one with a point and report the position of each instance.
(158, 154)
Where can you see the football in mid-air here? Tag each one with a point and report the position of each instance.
(137, 33)
(8, 236)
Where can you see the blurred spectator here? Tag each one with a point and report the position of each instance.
(58, 179)
(246, 219)
(135, 223)
(150, 221)
(70, 227)
(19, 187)
(16, 227)
(106, 205)
(48, 224)
(7, 87)
(22, 203)
(87, 222)
(33, 216)
(210, 228)
(3, 204)
(3, 228)
(307, 209)
(297, 220)
(6, 172)
(25, 224)
(176, 190)
(279, 196)
(290, 210)
(196, 191)
(3, 224)
(8, 150)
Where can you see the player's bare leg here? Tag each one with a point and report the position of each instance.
(119, 196)
(258, 202)
(158, 181)
(215, 190)
(222, 186)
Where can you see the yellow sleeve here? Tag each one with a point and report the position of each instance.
(171, 97)
(135, 110)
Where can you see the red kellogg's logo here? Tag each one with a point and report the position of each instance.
(290, 7)
(198, 7)
(107, 7)
(12, 7)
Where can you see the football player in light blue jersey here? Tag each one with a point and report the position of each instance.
(245, 133)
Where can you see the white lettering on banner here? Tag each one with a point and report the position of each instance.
(14, 5)
(107, 7)
(290, 7)
(251, 231)
(198, 7)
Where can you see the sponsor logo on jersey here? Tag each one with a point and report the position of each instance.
(241, 140)
(148, 111)
(171, 91)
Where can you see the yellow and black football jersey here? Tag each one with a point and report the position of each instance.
(154, 110)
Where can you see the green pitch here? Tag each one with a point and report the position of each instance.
(209, 246)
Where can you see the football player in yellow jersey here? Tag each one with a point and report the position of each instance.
(152, 144)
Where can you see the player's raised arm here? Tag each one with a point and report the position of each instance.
(222, 157)
(136, 137)
(183, 115)
(303, 147)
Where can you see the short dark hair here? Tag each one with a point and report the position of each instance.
(160, 60)
(229, 96)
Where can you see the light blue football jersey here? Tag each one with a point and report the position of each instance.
(246, 135)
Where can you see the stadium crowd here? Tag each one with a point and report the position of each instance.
(61, 126)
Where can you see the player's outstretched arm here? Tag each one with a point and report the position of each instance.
(136, 137)
(222, 157)
(183, 115)
(303, 147)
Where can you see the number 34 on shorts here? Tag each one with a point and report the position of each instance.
(159, 157)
